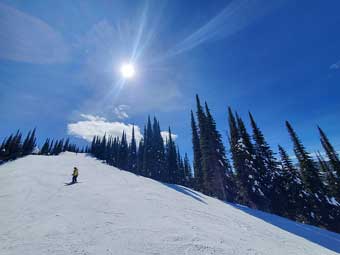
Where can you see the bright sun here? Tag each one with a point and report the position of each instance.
(127, 71)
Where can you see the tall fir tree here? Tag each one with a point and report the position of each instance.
(198, 175)
(133, 153)
(204, 147)
(187, 172)
(244, 161)
(320, 209)
(309, 171)
(140, 157)
(158, 151)
(45, 148)
(123, 154)
(221, 176)
(333, 174)
(293, 197)
(148, 157)
(171, 160)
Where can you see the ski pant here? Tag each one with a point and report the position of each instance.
(74, 179)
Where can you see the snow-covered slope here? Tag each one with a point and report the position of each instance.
(115, 212)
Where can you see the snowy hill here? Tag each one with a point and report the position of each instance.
(115, 212)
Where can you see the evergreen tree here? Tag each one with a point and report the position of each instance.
(66, 145)
(26, 147)
(140, 157)
(133, 153)
(45, 148)
(204, 148)
(148, 157)
(320, 210)
(244, 159)
(171, 161)
(219, 170)
(187, 172)
(123, 154)
(269, 174)
(333, 172)
(198, 175)
(329, 179)
(293, 197)
(180, 166)
(158, 151)
(309, 171)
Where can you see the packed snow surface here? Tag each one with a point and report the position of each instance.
(115, 212)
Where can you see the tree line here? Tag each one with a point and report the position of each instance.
(248, 173)
(14, 146)
(153, 157)
(307, 192)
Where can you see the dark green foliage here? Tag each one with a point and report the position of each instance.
(140, 157)
(171, 165)
(123, 153)
(245, 165)
(309, 171)
(150, 159)
(333, 168)
(187, 172)
(148, 151)
(198, 181)
(293, 198)
(133, 153)
(322, 211)
(14, 147)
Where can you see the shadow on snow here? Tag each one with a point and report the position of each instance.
(185, 191)
(324, 238)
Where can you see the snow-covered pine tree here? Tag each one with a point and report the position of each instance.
(267, 166)
(328, 177)
(321, 210)
(244, 161)
(334, 162)
(294, 198)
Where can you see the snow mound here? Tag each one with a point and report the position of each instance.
(115, 212)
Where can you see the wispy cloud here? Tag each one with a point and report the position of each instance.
(120, 111)
(335, 65)
(92, 126)
(25, 38)
(234, 17)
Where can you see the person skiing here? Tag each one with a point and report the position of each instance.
(75, 175)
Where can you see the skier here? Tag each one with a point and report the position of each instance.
(74, 175)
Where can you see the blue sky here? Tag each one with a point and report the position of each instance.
(60, 60)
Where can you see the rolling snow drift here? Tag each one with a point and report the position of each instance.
(115, 212)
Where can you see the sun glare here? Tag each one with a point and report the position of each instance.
(127, 71)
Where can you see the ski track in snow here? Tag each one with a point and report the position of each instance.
(116, 212)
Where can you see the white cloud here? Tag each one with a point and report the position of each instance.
(120, 111)
(98, 126)
(26, 38)
(335, 65)
(165, 135)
